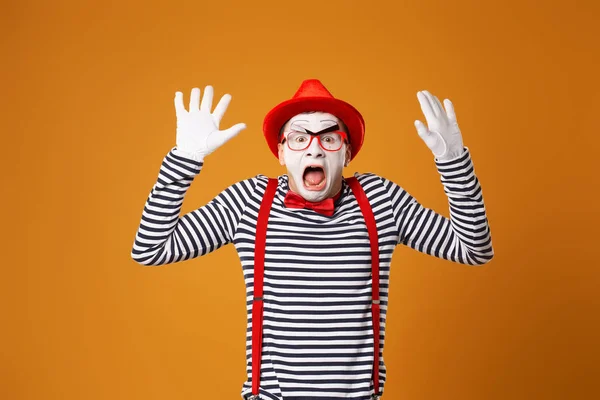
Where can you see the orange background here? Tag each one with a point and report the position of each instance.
(87, 114)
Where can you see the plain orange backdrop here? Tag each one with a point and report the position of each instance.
(87, 117)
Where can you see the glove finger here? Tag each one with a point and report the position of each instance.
(207, 99)
(227, 134)
(221, 108)
(439, 107)
(194, 100)
(421, 129)
(426, 108)
(450, 111)
(433, 103)
(179, 108)
(430, 138)
(234, 130)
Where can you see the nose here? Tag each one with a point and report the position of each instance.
(314, 149)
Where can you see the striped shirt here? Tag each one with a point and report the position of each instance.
(317, 332)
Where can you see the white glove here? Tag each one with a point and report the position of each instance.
(443, 136)
(198, 132)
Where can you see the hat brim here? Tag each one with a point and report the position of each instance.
(282, 113)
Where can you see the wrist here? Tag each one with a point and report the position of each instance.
(450, 155)
(196, 156)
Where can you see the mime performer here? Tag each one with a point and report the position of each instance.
(315, 247)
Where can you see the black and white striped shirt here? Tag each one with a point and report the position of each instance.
(317, 333)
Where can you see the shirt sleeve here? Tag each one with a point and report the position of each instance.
(465, 237)
(163, 237)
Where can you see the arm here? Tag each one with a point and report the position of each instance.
(465, 238)
(163, 237)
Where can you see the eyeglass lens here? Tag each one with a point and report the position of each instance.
(328, 140)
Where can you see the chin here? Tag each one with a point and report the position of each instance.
(311, 193)
(314, 195)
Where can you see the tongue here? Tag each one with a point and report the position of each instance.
(314, 177)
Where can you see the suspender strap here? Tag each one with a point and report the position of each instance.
(367, 212)
(259, 270)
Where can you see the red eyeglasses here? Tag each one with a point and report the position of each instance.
(329, 141)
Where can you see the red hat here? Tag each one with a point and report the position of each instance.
(313, 96)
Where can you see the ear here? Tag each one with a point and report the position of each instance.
(348, 155)
(280, 152)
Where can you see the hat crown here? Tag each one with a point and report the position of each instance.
(312, 88)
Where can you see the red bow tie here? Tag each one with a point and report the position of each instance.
(325, 207)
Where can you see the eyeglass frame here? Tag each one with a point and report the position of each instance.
(312, 136)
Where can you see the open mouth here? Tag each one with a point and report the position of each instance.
(314, 178)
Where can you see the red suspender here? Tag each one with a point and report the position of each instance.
(259, 268)
(367, 212)
(259, 271)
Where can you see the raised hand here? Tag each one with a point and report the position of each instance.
(442, 136)
(198, 132)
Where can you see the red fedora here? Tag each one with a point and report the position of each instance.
(313, 96)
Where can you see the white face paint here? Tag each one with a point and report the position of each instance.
(332, 162)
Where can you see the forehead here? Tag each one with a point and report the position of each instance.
(318, 117)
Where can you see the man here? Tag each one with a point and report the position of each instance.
(318, 296)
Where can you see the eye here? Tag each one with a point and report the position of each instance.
(329, 139)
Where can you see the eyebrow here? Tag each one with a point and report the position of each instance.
(305, 120)
(299, 126)
(331, 128)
